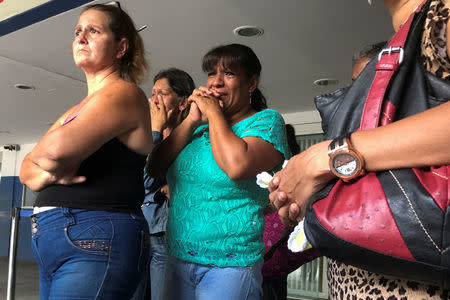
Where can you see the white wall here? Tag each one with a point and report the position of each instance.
(24, 149)
(11, 160)
(306, 122)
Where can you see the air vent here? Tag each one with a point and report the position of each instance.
(248, 31)
(23, 86)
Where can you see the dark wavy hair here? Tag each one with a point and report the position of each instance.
(180, 81)
(133, 65)
(235, 56)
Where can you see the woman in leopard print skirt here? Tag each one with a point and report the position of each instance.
(290, 188)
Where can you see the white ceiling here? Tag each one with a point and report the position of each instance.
(303, 41)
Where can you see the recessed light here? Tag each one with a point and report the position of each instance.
(248, 30)
(326, 81)
(23, 86)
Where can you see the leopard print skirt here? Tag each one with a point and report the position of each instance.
(434, 39)
(346, 282)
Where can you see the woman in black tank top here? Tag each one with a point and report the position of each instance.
(88, 233)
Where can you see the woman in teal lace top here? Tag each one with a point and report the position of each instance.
(216, 223)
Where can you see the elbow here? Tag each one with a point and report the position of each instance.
(238, 172)
(235, 176)
(236, 168)
(24, 173)
(22, 177)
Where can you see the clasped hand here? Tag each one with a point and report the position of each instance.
(204, 102)
(304, 175)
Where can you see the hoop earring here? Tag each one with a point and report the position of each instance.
(250, 97)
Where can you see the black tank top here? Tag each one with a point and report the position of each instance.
(114, 182)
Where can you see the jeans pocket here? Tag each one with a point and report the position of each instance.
(144, 254)
(93, 236)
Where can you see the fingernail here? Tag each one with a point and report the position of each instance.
(275, 180)
(294, 209)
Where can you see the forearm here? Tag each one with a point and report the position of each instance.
(416, 141)
(33, 176)
(167, 151)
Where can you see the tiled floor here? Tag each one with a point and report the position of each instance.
(27, 284)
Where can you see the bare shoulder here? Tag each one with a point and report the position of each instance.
(123, 92)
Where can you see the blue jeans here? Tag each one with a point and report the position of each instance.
(189, 281)
(153, 283)
(85, 254)
(158, 263)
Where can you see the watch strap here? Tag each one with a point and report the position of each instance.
(344, 143)
(338, 143)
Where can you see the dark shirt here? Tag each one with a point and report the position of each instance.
(113, 182)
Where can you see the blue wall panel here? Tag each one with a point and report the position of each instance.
(38, 13)
(7, 186)
(11, 196)
(6, 198)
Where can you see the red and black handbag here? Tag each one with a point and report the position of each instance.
(394, 222)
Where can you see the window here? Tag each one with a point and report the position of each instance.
(310, 280)
(306, 141)
(28, 197)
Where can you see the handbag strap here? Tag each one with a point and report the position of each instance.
(389, 60)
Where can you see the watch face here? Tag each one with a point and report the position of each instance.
(345, 164)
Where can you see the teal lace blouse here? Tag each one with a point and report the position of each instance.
(214, 220)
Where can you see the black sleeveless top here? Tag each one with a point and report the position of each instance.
(114, 182)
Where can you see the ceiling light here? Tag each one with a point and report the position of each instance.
(23, 86)
(326, 81)
(248, 30)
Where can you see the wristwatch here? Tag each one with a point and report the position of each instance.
(345, 162)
